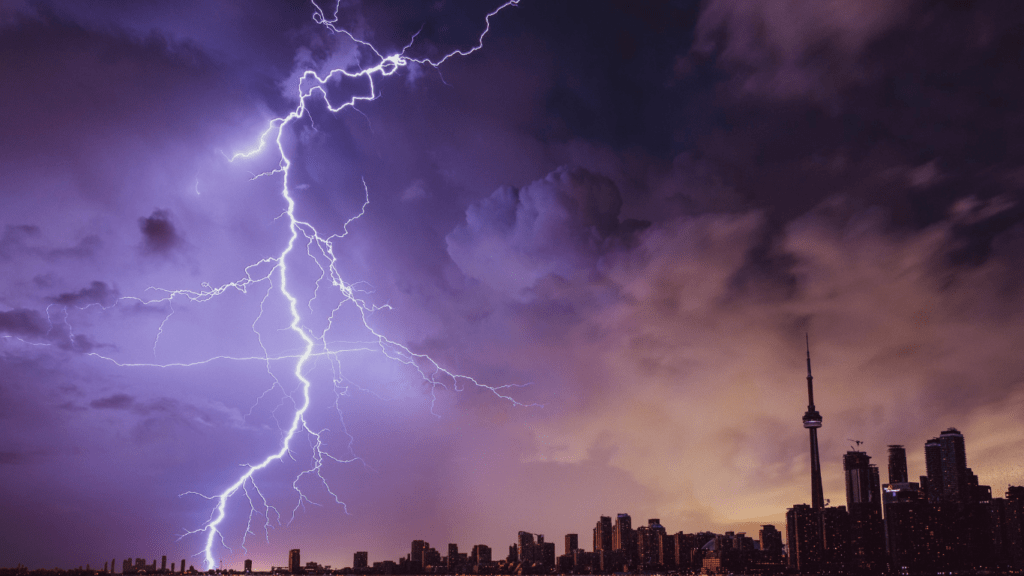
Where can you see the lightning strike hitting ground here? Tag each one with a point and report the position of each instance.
(273, 271)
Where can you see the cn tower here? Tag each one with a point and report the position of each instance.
(812, 421)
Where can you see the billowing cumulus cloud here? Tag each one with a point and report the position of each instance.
(562, 225)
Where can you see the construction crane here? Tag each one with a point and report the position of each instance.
(857, 442)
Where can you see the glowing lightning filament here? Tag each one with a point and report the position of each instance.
(321, 250)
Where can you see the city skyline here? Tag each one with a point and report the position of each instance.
(862, 485)
(566, 272)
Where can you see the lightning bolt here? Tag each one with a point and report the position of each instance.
(320, 249)
(273, 273)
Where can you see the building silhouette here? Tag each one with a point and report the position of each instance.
(932, 483)
(572, 542)
(803, 538)
(294, 562)
(603, 534)
(897, 464)
(864, 503)
(361, 560)
(648, 544)
(481, 554)
(955, 473)
(624, 539)
(452, 559)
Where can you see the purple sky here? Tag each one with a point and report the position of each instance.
(628, 213)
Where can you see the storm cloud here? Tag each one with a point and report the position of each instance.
(623, 217)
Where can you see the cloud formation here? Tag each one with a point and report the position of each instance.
(562, 225)
(631, 223)
(158, 233)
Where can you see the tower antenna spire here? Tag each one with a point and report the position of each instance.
(810, 379)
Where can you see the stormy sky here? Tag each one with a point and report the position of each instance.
(625, 216)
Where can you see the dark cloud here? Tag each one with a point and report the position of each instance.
(97, 293)
(158, 233)
(33, 327)
(561, 225)
(800, 49)
(114, 402)
(15, 238)
(24, 323)
(86, 248)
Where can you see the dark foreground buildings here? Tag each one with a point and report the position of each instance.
(946, 523)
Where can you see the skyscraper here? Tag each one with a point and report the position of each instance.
(572, 542)
(897, 464)
(648, 543)
(481, 554)
(803, 538)
(361, 560)
(603, 534)
(858, 476)
(294, 564)
(955, 475)
(812, 421)
(416, 554)
(770, 540)
(453, 555)
(949, 479)
(624, 538)
(933, 467)
(863, 499)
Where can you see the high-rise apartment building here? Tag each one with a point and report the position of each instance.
(949, 479)
(294, 563)
(417, 552)
(248, 566)
(861, 478)
(835, 539)
(453, 555)
(897, 464)
(481, 554)
(361, 560)
(956, 476)
(648, 543)
(624, 539)
(770, 540)
(603, 534)
(864, 503)
(572, 542)
(933, 487)
(803, 538)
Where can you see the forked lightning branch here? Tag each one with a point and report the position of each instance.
(305, 241)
